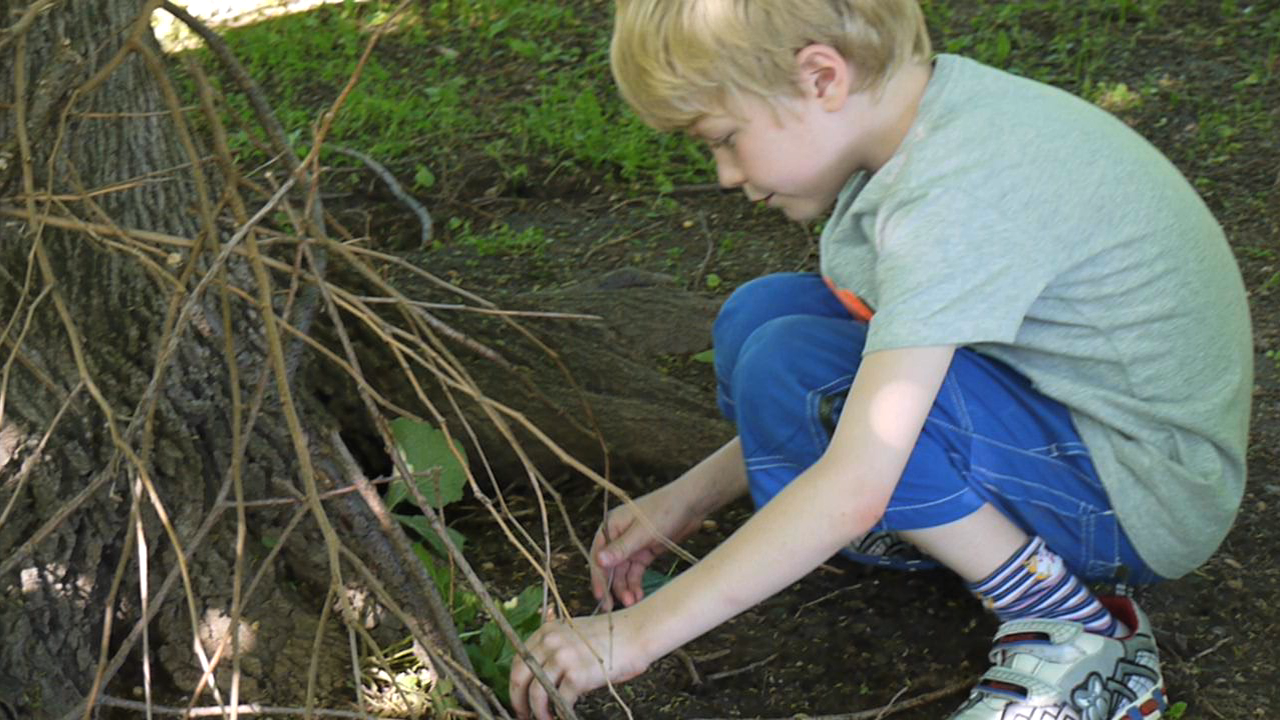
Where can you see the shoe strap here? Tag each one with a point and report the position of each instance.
(1036, 632)
(1018, 686)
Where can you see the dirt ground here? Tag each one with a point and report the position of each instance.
(850, 640)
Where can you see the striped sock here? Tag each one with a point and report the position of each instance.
(1035, 583)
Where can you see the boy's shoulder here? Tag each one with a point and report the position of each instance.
(993, 140)
(967, 96)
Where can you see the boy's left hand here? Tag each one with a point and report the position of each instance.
(566, 655)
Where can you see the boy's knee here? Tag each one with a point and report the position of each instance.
(749, 306)
(767, 356)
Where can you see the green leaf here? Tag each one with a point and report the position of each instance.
(706, 356)
(652, 580)
(522, 610)
(713, 281)
(424, 179)
(419, 524)
(439, 475)
(1177, 710)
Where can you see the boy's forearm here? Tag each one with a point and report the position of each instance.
(764, 556)
(718, 480)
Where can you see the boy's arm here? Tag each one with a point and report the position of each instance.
(837, 499)
(626, 546)
(834, 501)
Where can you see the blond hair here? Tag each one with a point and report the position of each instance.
(678, 60)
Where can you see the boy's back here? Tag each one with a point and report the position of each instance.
(1040, 230)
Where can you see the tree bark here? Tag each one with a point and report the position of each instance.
(118, 142)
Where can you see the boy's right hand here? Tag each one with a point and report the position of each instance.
(625, 546)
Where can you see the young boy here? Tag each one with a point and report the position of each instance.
(1028, 353)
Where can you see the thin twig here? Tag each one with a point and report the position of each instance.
(738, 671)
(892, 709)
(694, 678)
(424, 217)
(20, 28)
(1209, 651)
(220, 711)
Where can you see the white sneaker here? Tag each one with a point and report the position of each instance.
(1054, 670)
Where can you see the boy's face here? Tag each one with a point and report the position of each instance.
(789, 158)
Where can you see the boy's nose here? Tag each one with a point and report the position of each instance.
(728, 173)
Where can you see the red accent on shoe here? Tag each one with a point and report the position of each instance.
(1024, 637)
(1122, 609)
(1005, 687)
(1149, 707)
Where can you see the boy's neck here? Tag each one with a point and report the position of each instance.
(892, 112)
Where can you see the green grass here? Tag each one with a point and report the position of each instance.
(468, 98)
(521, 86)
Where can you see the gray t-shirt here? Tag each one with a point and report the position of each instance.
(1035, 228)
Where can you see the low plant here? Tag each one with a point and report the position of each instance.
(439, 472)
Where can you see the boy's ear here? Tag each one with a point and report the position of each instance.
(825, 75)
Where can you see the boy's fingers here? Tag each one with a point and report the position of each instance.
(520, 676)
(635, 581)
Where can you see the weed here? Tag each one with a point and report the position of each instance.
(500, 240)
(440, 476)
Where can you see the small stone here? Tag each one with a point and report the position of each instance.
(709, 525)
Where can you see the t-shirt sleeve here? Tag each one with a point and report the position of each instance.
(952, 272)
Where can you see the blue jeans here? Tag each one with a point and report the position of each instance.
(786, 352)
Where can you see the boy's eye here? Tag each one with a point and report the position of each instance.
(725, 141)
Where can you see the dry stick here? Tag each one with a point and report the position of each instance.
(29, 463)
(424, 217)
(891, 709)
(107, 671)
(172, 329)
(540, 314)
(326, 495)
(711, 251)
(744, 669)
(275, 351)
(5, 373)
(154, 177)
(141, 25)
(46, 271)
(442, 620)
(19, 29)
(448, 650)
(132, 537)
(136, 515)
(261, 108)
(229, 171)
(357, 683)
(220, 711)
(275, 133)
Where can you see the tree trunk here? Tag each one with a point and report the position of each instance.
(111, 448)
(91, 295)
